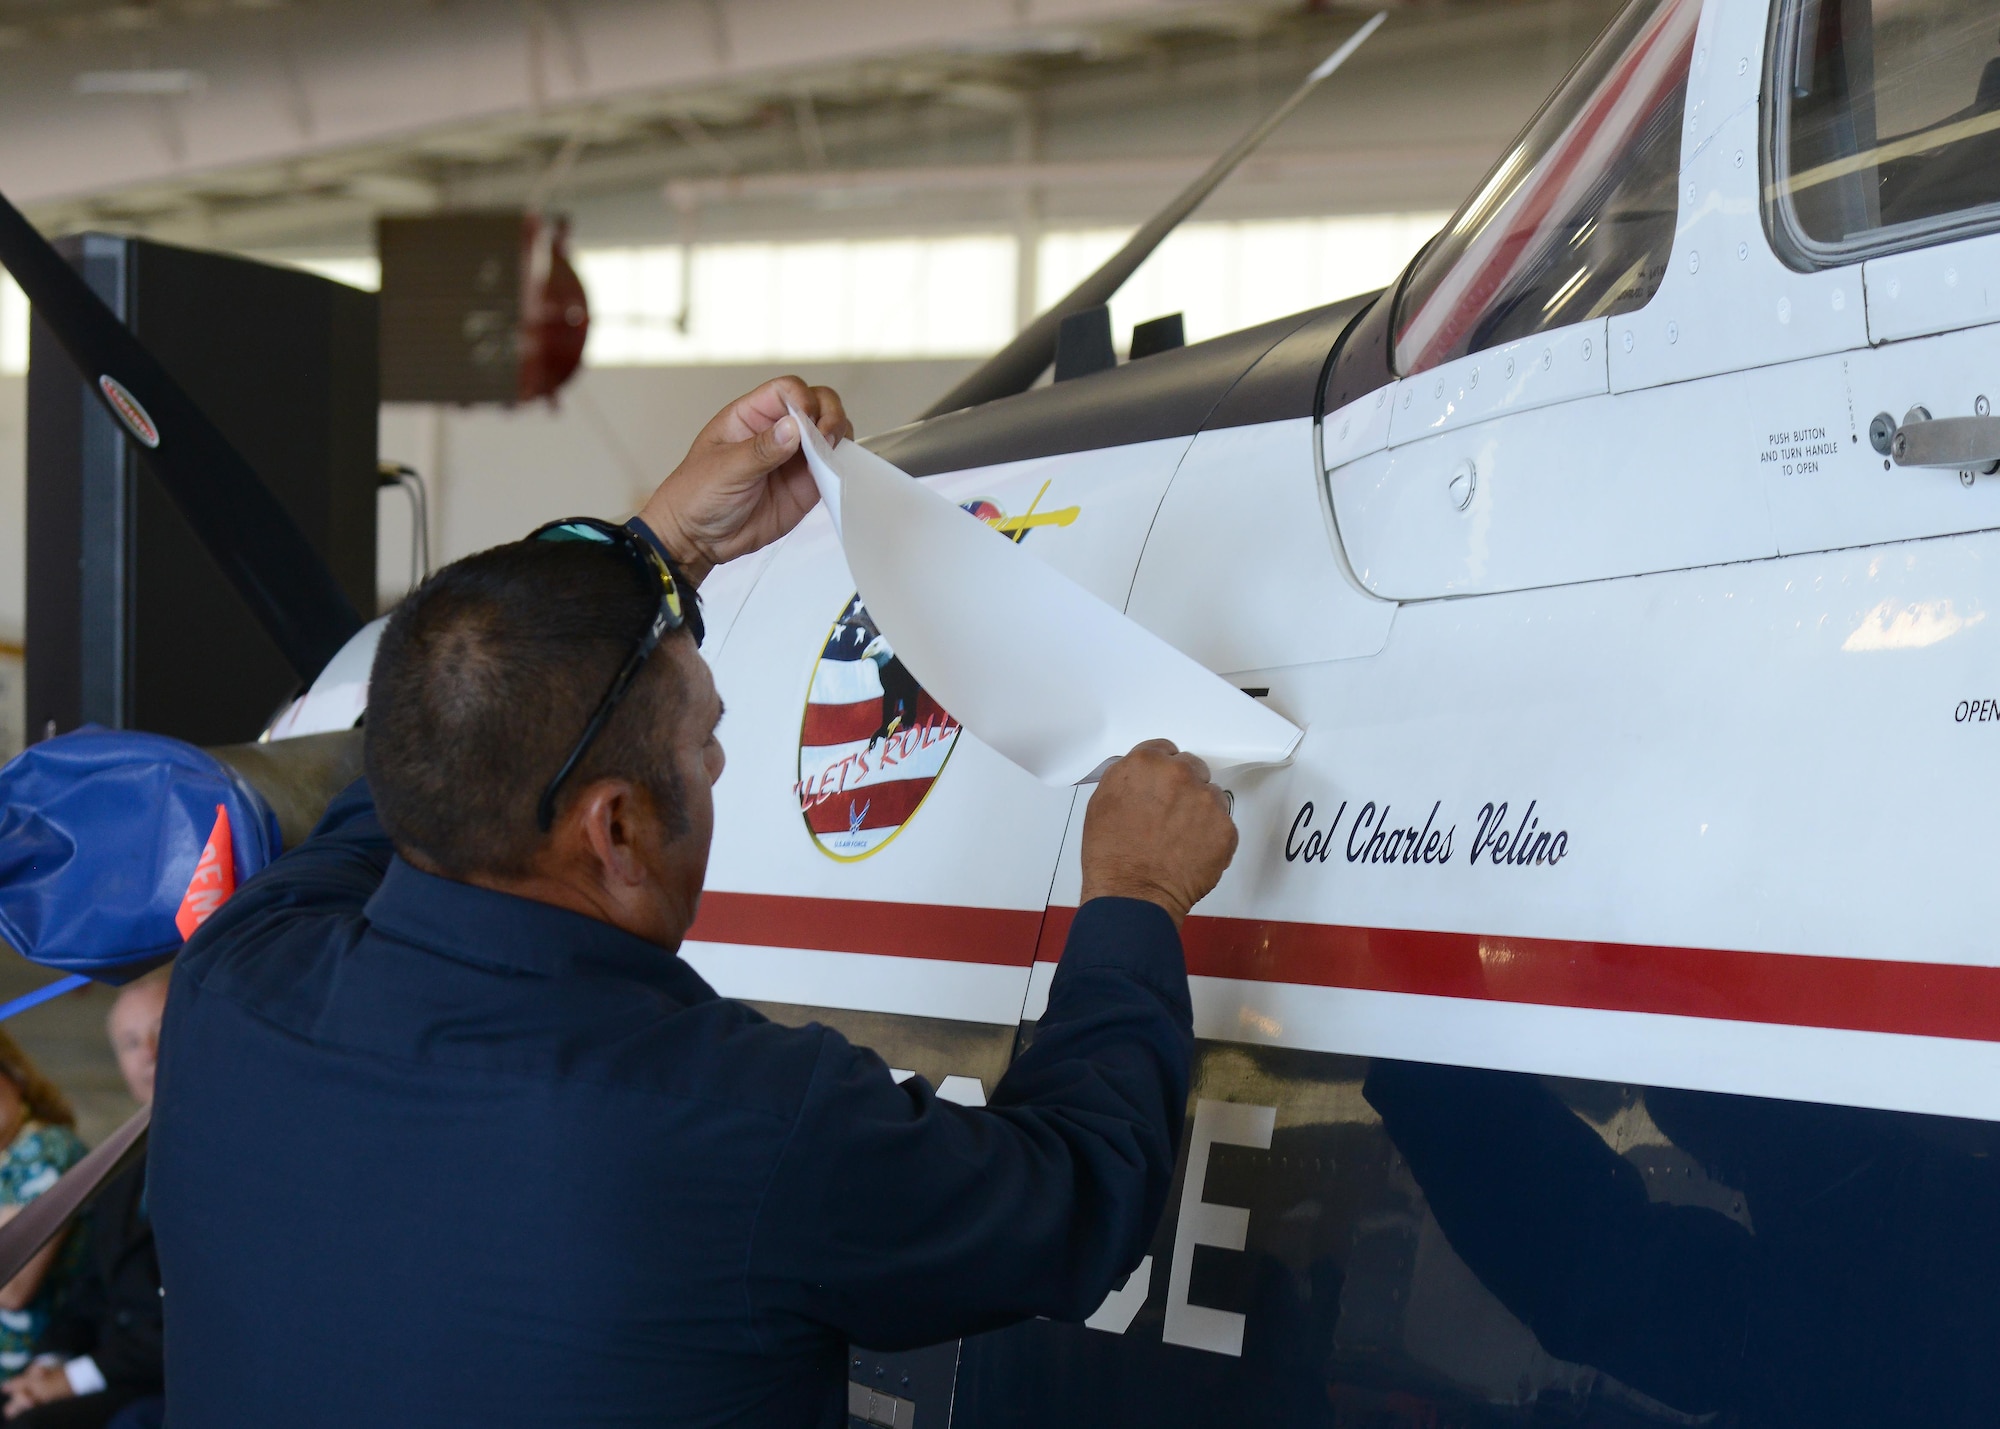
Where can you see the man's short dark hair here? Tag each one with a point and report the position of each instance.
(484, 680)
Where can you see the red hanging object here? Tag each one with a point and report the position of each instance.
(555, 314)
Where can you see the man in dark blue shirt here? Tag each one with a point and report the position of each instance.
(448, 1135)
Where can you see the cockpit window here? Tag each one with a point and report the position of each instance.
(1884, 132)
(1577, 220)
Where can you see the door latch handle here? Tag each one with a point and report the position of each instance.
(1952, 443)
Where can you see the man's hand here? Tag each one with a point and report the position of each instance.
(744, 482)
(42, 1382)
(1156, 829)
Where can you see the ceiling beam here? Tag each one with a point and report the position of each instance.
(368, 72)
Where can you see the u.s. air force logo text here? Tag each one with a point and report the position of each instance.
(873, 742)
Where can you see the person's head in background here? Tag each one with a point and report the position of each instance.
(25, 1094)
(133, 1025)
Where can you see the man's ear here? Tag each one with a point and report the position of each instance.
(608, 819)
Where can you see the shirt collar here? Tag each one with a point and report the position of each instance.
(484, 926)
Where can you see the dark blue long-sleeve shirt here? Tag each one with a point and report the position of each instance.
(428, 1154)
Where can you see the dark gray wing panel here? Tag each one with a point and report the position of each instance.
(1172, 394)
(1285, 383)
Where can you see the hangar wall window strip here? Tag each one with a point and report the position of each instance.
(924, 297)
(954, 297)
(1229, 276)
(844, 298)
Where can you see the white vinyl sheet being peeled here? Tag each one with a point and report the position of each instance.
(1075, 683)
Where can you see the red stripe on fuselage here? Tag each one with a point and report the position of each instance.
(1003, 936)
(1787, 989)
(1784, 989)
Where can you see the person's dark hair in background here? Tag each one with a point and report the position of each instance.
(484, 676)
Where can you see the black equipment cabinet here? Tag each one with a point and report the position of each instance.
(129, 622)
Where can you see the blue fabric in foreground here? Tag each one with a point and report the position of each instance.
(100, 831)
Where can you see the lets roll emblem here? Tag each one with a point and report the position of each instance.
(137, 420)
(873, 742)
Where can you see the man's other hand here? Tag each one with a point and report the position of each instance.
(1156, 829)
(744, 482)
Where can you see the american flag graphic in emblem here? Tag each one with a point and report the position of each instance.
(872, 743)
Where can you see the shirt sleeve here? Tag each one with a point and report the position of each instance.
(72, 1329)
(901, 1219)
(84, 1376)
(338, 866)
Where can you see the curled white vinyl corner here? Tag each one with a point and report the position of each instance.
(1077, 684)
(819, 460)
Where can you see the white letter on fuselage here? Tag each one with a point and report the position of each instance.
(1225, 1227)
(1121, 1307)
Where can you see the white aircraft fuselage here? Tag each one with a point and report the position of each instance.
(1649, 699)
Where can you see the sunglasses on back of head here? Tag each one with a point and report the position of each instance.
(669, 617)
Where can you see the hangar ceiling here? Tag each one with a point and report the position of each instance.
(295, 122)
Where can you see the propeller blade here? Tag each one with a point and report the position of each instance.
(260, 549)
(1016, 366)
